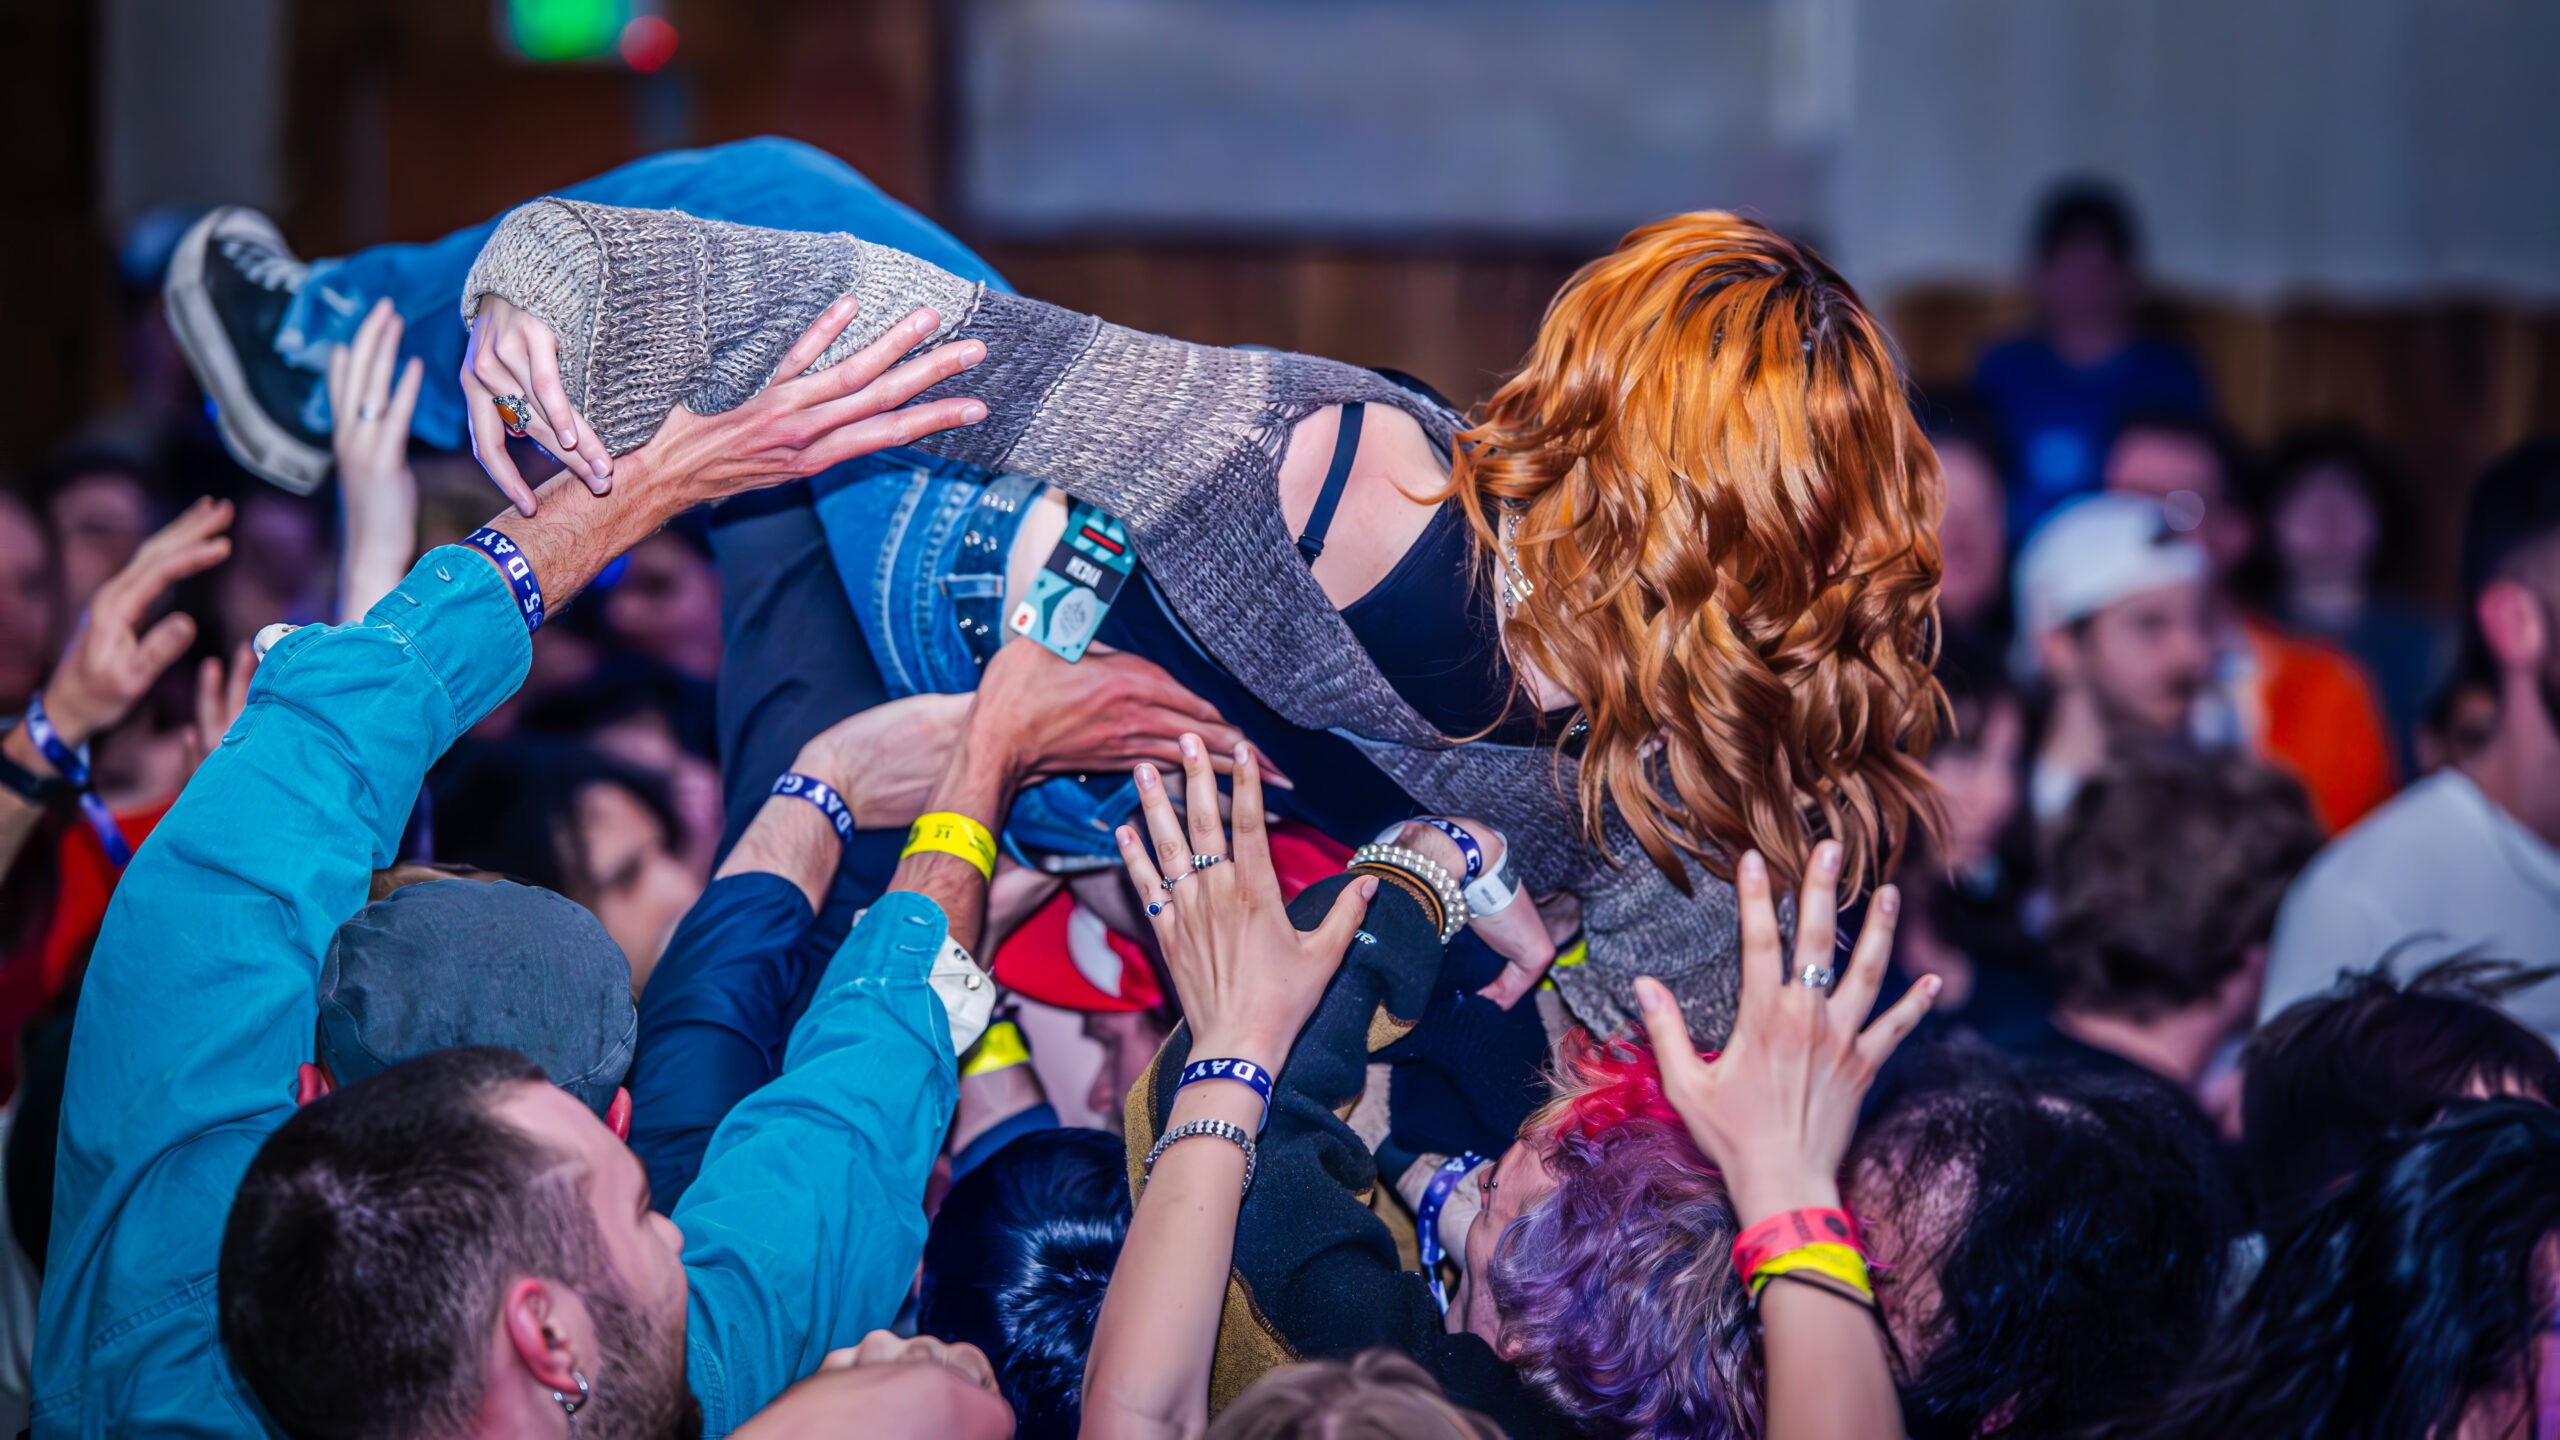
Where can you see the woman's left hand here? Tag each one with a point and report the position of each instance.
(1248, 978)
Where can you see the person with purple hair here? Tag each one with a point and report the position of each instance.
(1612, 1268)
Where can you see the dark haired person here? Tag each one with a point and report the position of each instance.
(1964, 894)
(2330, 499)
(1625, 1196)
(200, 1004)
(2328, 1081)
(2417, 1303)
(562, 816)
(2061, 389)
(2467, 860)
(1017, 1261)
(2053, 1245)
(2165, 877)
(2299, 703)
(1973, 534)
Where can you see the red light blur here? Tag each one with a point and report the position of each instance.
(647, 43)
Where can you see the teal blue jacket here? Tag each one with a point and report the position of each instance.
(801, 1234)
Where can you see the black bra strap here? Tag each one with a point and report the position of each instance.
(1320, 519)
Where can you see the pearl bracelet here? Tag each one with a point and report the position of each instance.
(1421, 867)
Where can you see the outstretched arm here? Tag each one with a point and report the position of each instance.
(1775, 1111)
(1249, 980)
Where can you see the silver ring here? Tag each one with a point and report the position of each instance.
(514, 413)
(1203, 862)
(1170, 881)
(1158, 907)
(364, 412)
(1818, 977)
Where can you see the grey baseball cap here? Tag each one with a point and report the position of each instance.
(447, 963)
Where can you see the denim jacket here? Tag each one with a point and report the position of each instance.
(801, 1234)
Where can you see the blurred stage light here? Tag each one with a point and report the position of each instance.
(552, 32)
(647, 43)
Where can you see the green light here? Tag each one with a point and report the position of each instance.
(547, 30)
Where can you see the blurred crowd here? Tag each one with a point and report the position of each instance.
(2229, 985)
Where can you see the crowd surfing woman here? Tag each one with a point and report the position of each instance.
(1249, 1244)
(1670, 596)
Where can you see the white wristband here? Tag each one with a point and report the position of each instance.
(1491, 891)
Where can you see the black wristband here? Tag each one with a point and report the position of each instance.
(35, 789)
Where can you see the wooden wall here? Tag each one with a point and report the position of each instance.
(405, 122)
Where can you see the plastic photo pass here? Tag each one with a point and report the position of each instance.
(1070, 595)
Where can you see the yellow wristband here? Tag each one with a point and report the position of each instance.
(1837, 1262)
(998, 1049)
(946, 833)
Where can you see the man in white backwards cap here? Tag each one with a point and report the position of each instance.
(2114, 619)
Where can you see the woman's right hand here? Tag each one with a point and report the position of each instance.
(1248, 978)
(513, 354)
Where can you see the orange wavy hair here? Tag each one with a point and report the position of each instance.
(1728, 518)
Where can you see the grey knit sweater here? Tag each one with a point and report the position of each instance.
(1182, 442)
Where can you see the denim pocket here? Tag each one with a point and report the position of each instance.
(921, 543)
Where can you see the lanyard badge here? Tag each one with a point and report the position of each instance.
(1070, 594)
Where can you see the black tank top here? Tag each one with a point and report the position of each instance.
(1429, 627)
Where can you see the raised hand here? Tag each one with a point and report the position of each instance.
(370, 438)
(221, 694)
(1775, 1111)
(1248, 977)
(799, 424)
(112, 660)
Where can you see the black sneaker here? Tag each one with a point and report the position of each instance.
(229, 285)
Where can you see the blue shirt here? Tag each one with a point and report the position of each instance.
(2058, 418)
(802, 1232)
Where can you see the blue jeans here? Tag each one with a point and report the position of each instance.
(784, 185)
(920, 543)
(780, 184)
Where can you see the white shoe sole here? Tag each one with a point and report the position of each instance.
(261, 446)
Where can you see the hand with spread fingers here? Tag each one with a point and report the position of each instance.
(1248, 978)
(1776, 1110)
(115, 656)
(801, 423)
(1775, 1113)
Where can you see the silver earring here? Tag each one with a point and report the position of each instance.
(1515, 585)
(571, 1407)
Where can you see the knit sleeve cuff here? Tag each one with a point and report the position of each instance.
(545, 261)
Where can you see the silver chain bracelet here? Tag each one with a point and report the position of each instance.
(1224, 1130)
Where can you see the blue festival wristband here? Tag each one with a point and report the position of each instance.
(1242, 1071)
(1426, 1216)
(1467, 845)
(518, 570)
(821, 794)
(73, 766)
